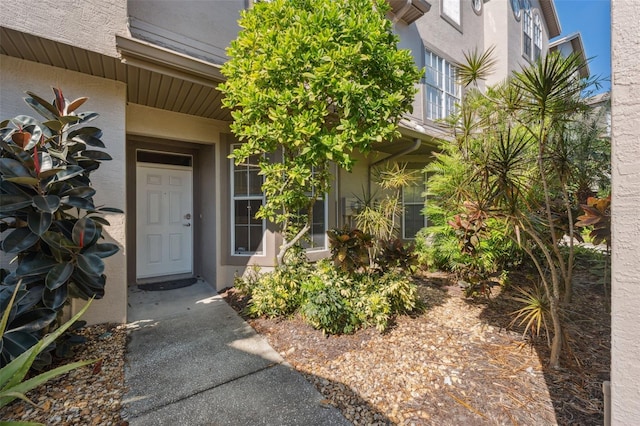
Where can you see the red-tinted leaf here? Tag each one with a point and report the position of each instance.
(21, 138)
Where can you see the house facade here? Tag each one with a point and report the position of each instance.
(151, 68)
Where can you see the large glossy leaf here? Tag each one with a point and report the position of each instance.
(10, 203)
(90, 264)
(46, 162)
(19, 240)
(80, 191)
(48, 173)
(75, 104)
(57, 241)
(54, 125)
(17, 342)
(109, 210)
(43, 107)
(36, 135)
(84, 232)
(77, 202)
(93, 131)
(58, 275)
(47, 203)
(33, 320)
(55, 299)
(89, 140)
(96, 155)
(86, 117)
(87, 286)
(13, 168)
(35, 264)
(103, 249)
(69, 172)
(27, 181)
(100, 220)
(39, 222)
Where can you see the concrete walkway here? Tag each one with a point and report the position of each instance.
(191, 360)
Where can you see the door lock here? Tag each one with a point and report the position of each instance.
(187, 216)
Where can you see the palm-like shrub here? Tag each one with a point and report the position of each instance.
(48, 217)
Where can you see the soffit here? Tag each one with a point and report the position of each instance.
(166, 83)
(550, 17)
(409, 10)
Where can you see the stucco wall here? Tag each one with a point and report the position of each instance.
(87, 24)
(203, 29)
(625, 303)
(107, 98)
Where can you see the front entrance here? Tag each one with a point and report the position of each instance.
(164, 219)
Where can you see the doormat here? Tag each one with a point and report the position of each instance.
(168, 285)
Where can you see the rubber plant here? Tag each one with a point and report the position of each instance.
(12, 376)
(48, 218)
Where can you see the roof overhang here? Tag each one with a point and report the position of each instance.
(575, 39)
(550, 15)
(144, 55)
(155, 77)
(408, 11)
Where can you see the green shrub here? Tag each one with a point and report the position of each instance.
(325, 307)
(329, 298)
(276, 293)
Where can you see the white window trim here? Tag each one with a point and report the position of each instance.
(456, 23)
(235, 198)
(444, 93)
(527, 30)
(537, 36)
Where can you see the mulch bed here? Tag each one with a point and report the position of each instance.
(456, 363)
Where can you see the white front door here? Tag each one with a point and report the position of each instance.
(164, 243)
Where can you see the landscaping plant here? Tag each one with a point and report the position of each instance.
(12, 375)
(48, 218)
(309, 82)
(510, 149)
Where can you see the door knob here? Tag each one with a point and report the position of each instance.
(186, 224)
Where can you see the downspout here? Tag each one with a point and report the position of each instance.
(417, 142)
(398, 16)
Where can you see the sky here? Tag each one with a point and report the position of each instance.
(592, 18)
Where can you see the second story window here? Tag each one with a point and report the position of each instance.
(537, 37)
(442, 87)
(527, 30)
(451, 11)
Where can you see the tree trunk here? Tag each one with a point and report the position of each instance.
(556, 343)
(287, 245)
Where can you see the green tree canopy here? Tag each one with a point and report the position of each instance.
(313, 81)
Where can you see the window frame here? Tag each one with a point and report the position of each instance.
(325, 220)
(421, 203)
(527, 30)
(517, 9)
(537, 37)
(477, 10)
(446, 73)
(455, 23)
(247, 197)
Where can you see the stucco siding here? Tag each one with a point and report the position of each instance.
(625, 303)
(107, 98)
(203, 29)
(87, 24)
(153, 122)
